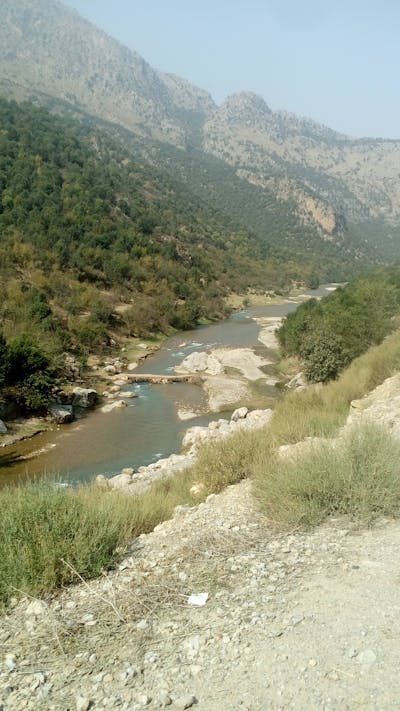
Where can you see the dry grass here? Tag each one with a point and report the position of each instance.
(358, 476)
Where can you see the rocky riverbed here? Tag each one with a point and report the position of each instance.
(132, 483)
(227, 372)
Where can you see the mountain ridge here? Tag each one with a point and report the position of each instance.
(342, 189)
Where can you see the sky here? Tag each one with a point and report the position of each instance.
(335, 61)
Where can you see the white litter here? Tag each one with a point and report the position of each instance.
(198, 599)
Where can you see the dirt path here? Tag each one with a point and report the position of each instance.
(297, 621)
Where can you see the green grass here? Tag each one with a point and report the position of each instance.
(42, 525)
(359, 478)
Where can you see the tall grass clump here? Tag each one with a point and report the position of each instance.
(357, 475)
(43, 525)
(224, 462)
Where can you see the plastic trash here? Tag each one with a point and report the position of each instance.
(198, 599)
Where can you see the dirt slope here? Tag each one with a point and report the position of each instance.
(294, 621)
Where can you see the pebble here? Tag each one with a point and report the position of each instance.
(366, 657)
(143, 700)
(10, 662)
(185, 702)
(163, 699)
(82, 703)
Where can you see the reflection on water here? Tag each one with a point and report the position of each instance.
(148, 428)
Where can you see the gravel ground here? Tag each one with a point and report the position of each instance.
(296, 621)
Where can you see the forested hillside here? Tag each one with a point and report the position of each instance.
(88, 230)
(328, 334)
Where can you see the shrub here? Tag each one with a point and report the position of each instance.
(324, 356)
(358, 476)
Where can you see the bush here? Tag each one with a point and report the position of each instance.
(324, 356)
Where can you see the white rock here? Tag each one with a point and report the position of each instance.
(117, 405)
(36, 608)
(239, 414)
(120, 481)
(110, 369)
(185, 702)
(10, 662)
(82, 703)
(366, 657)
(128, 470)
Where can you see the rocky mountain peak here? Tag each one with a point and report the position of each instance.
(245, 106)
(187, 96)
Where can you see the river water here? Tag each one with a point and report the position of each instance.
(149, 428)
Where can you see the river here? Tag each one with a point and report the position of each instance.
(149, 427)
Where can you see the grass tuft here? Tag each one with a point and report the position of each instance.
(358, 476)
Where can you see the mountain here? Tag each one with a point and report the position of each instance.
(305, 191)
(47, 48)
(329, 175)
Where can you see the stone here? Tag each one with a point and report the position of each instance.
(110, 369)
(36, 608)
(10, 662)
(297, 382)
(117, 405)
(128, 470)
(61, 414)
(102, 481)
(3, 427)
(185, 702)
(120, 481)
(82, 703)
(200, 362)
(163, 699)
(142, 625)
(84, 397)
(239, 414)
(143, 700)
(72, 366)
(367, 657)
(128, 394)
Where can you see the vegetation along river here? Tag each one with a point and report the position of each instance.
(149, 427)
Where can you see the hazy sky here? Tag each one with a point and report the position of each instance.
(336, 61)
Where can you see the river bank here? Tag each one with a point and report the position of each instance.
(154, 419)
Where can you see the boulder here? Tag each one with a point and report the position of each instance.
(110, 369)
(84, 397)
(128, 470)
(101, 481)
(72, 366)
(201, 363)
(61, 414)
(297, 382)
(117, 405)
(3, 427)
(120, 481)
(239, 414)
